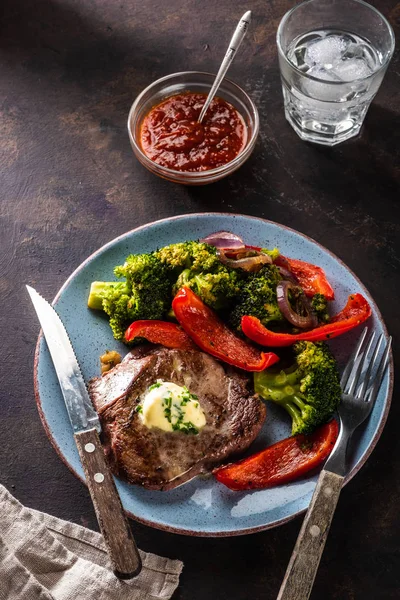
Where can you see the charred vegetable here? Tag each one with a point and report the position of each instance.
(356, 311)
(309, 390)
(282, 462)
(258, 298)
(212, 335)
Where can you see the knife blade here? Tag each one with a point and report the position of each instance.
(121, 547)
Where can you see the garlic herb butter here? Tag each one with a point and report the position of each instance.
(171, 407)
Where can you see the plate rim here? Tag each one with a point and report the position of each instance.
(238, 532)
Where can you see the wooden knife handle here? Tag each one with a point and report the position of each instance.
(110, 514)
(303, 564)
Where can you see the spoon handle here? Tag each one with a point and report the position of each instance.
(234, 44)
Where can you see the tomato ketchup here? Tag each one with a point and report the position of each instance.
(172, 137)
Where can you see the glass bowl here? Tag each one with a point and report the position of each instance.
(192, 81)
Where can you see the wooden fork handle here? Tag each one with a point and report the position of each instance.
(303, 564)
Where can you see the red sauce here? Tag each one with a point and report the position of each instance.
(171, 136)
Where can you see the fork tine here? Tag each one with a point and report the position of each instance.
(350, 363)
(372, 362)
(380, 373)
(353, 381)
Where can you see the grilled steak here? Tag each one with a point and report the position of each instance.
(162, 460)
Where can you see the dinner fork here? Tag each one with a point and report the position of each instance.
(360, 383)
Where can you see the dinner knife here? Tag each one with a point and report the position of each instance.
(86, 426)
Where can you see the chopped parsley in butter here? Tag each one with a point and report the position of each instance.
(171, 407)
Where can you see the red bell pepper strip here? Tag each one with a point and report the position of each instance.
(356, 311)
(312, 279)
(282, 462)
(212, 335)
(167, 334)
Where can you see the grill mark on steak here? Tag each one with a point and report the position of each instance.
(161, 460)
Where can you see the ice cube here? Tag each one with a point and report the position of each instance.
(352, 69)
(353, 51)
(326, 52)
(370, 56)
(298, 49)
(322, 73)
(298, 57)
(321, 90)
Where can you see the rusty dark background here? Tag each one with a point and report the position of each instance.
(69, 71)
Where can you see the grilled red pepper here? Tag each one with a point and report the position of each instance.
(282, 462)
(167, 334)
(208, 331)
(312, 279)
(356, 311)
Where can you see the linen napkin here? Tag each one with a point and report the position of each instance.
(45, 558)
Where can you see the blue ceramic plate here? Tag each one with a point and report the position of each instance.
(201, 507)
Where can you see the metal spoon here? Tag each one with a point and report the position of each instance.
(233, 47)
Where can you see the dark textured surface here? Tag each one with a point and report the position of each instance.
(69, 183)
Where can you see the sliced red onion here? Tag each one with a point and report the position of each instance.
(251, 263)
(287, 275)
(225, 240)
(245, 253)
(284, 269)
(306, 321)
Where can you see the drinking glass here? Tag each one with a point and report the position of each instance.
(333, 55)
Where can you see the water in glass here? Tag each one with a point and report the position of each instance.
(334, 89)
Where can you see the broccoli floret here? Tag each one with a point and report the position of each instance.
(146, 293)
(257, 298)
(309, 389)
(202, 271)
(143, 270)
(217, 289)
(274, 253)
(320, 307)
(99, 290)
(152, 278)
(196, 256)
